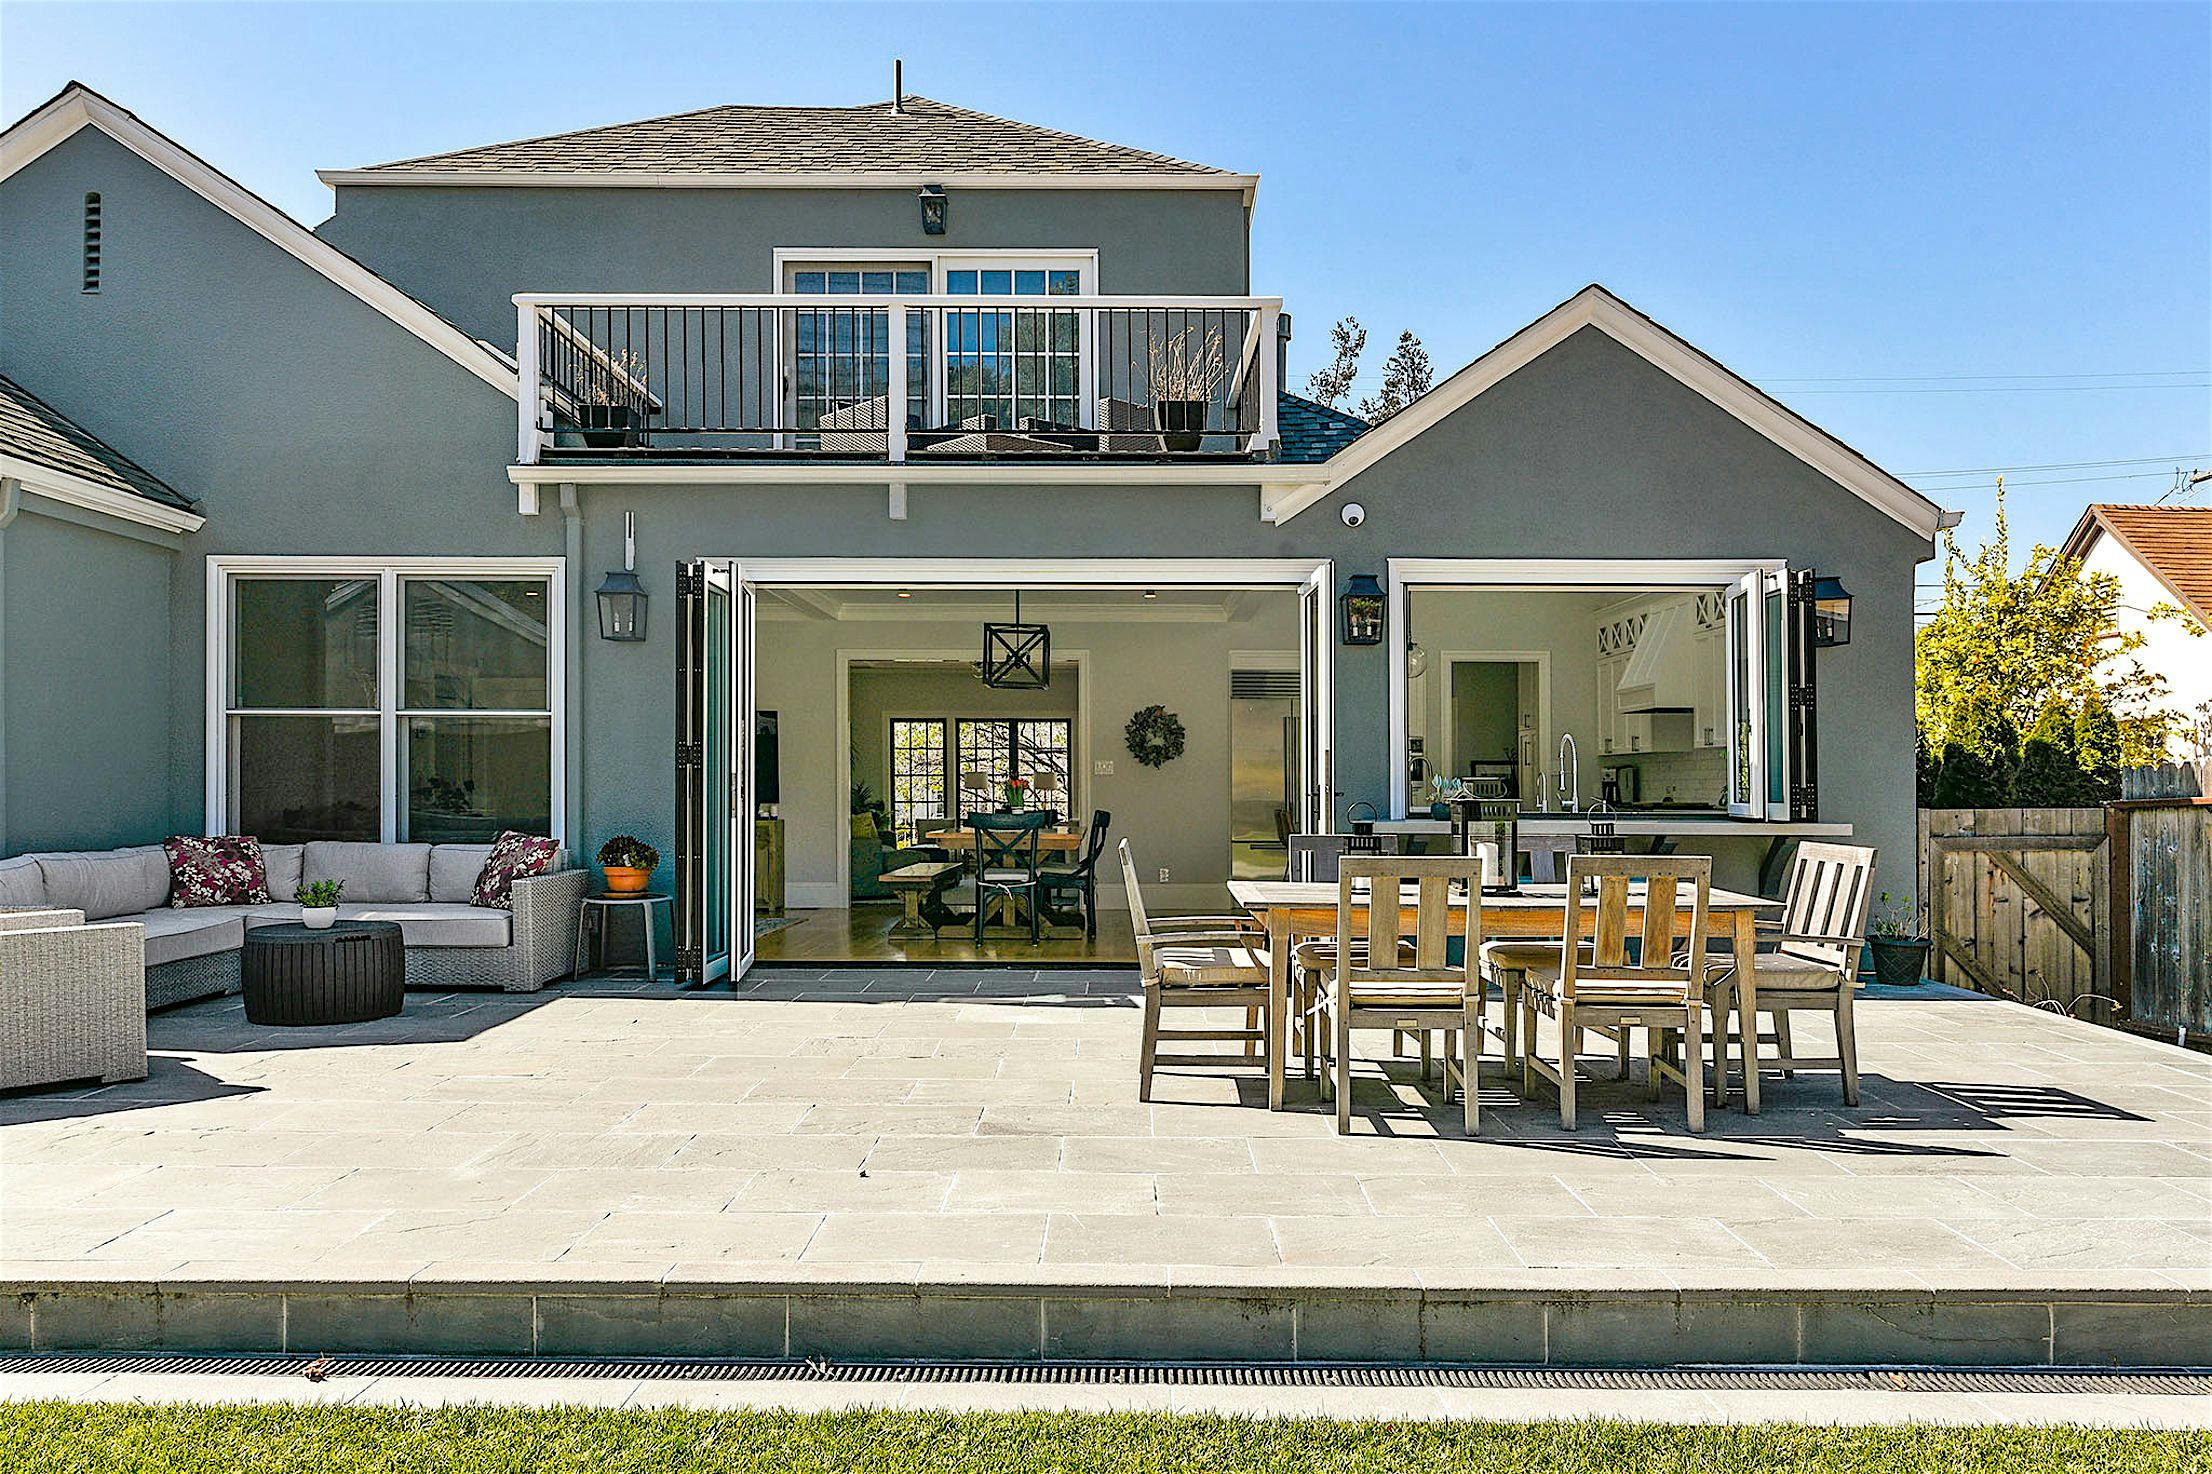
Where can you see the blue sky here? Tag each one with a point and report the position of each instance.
(1870, 210)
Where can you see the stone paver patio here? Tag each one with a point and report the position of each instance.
(880, 1127)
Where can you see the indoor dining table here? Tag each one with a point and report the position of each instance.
(1049, 841)
(1294, 910)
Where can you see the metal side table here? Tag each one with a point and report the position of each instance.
(597, 907)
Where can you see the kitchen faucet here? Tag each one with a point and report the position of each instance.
(1569, 779)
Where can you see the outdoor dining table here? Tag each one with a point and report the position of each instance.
(1294, 910)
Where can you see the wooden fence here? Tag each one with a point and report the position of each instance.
(2105, 913)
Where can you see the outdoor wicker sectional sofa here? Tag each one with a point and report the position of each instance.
(193, 952)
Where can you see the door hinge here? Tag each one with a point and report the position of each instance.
(1801, 696)
(689, 580)
(690, 755)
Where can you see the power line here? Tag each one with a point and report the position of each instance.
(1940, 378)
(2064, 480)
(2014, 389)
(2194, 455)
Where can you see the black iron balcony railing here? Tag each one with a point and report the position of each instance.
(626, 377)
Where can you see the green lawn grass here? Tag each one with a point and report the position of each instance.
(80, 1438)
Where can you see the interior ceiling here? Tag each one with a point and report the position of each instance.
(880, 602)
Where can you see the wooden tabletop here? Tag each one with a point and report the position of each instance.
(1546, 896)
(1055, 840)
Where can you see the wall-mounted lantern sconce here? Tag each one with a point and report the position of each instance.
(1831, 612)
(1362, 606)
(933, 209)
(621, 596)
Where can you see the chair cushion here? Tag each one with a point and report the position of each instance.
(515, 856)
(439, 924)
(372, 872)
(281, 863)
(1398, 995)
(1780, 970)
(1006, 877)
(22, 884)
(1187, 965)
(216, 870)
(174, 935)
(453, 871)
(104, 883)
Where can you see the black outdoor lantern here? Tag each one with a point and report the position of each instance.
(1362, 605)
(621, 596)
(1831, 612)
(933, 209)
(1017, 656)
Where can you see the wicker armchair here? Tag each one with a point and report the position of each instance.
(72, 999)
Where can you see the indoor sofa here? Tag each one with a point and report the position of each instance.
(193, 952)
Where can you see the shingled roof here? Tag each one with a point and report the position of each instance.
(33, 430)
(2174, 543)
(919, 136)
(1312, 432)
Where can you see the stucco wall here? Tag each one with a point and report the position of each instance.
(468, 251)
(84, 639)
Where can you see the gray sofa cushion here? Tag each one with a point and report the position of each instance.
(436, 924)
(453, 871)
(173, 936)
(282, 861)
(105, 883)
(372, 872)
(22, 884)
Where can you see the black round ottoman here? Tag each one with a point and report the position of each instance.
(347, 973)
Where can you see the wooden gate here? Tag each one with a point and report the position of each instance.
(2019, 903)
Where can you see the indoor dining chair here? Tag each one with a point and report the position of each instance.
(1006, 865)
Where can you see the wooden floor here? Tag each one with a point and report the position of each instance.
(862, 934)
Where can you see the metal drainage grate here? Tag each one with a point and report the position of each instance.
(2170, 1383)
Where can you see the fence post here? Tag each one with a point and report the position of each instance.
(2120, 910)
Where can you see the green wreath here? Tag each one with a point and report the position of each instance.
(1155, 736)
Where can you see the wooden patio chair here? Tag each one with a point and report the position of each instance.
(1196, 962)
(1593, 984)
(1418, 988)
(1814, 970)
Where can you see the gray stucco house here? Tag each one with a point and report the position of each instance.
(300, 530)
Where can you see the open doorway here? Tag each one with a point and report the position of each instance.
(888, 741)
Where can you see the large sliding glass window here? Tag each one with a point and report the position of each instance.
(841, 357)
(1013, 367)
(387, 703)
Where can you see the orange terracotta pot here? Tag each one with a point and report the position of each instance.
(626, 879)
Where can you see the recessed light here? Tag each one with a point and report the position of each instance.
(906, 593)
(1152, 593)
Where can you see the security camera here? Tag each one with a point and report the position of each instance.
(1353, 514)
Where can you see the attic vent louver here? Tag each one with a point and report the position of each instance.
(92, 243)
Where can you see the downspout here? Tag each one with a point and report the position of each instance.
(11, 502)
(572, 744)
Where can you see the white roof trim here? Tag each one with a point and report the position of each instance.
(79, 107)
(1248, 184)
(76, 491)
(1593, 306)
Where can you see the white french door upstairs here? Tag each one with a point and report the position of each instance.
(952, 358)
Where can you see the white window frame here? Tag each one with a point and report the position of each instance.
(222, 576)
(1707, 574)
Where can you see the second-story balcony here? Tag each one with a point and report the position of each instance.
(629, 378)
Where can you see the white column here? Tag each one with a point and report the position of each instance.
(526, 385)
(894, 418)
(1271, 362)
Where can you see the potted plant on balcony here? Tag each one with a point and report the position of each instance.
(1183, 378)
(1898, 938)
(611, 408)
(628, 863)
(319, 903)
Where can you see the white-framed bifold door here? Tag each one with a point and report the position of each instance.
(714, 853)
(1316, 726)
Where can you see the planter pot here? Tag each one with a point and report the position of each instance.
(318, 918)
(1182, 422)
(1016, 799)
(1899, 962)
(608, 426)
(623, 880)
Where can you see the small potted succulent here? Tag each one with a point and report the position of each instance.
(319, 903)
(1016, 792)
(1898, 938)
(628, 863)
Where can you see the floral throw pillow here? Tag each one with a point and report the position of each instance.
(514, 856)
(216, 870)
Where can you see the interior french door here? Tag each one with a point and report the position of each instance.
(1316, 756)
(714, 853)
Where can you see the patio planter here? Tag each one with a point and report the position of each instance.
(624, 880)
(608, 426)
(1899, 962)
(1182, 422)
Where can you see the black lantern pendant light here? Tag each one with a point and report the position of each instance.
(1831, 612)
(1017, 656)
(621, 596)
(1361, 604)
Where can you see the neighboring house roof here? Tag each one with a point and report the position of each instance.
(51, 454)
(78, 106)
(919, 140)
(1595, 307)
(2174, 543)
(1312, 432)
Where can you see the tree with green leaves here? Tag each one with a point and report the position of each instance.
(2007, 643)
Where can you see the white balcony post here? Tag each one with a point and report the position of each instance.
(894, 401)
(1271, 363)
(526, 384)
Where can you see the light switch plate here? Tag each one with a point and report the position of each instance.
(1103, 768)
